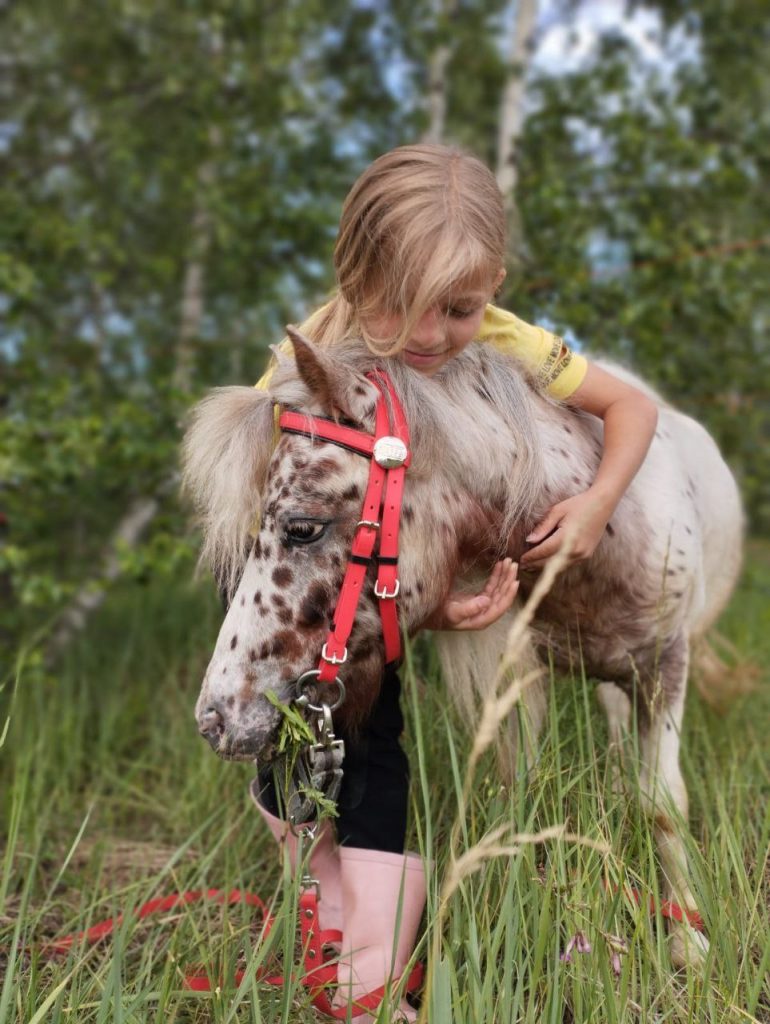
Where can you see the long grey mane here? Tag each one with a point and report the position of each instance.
(475, 420)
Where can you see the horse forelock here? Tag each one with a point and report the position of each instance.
(225, 457)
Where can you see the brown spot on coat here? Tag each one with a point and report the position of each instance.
(326, 467)
(315, 606)
(282, 576)
(285, 644)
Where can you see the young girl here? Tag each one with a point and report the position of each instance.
(419, 255)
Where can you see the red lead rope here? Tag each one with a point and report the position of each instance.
(320, 966)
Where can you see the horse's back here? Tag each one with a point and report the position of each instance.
(692, 501)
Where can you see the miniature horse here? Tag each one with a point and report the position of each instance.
(490, 455)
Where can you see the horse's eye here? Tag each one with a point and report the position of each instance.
(303, 531)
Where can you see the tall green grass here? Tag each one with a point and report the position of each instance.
(111, 798)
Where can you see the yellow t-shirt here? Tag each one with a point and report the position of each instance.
(555, 367)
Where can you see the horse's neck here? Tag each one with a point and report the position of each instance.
(569, 449)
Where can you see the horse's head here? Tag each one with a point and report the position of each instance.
(306, 496)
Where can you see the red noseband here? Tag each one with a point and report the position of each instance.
(388, 449)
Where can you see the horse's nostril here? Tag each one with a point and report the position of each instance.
(211, 725)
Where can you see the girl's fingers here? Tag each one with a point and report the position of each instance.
(501, 573)
(542, 552)
(494, 578)
(501, 597)
(545, 526)
(481, 610)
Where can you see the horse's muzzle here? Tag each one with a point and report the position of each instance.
(232, 742)
(211, 725)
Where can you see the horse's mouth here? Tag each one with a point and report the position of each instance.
(246, 749)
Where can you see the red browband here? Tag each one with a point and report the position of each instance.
(388, 449)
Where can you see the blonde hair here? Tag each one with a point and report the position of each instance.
(420, 223)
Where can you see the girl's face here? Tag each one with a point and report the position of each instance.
(443, 331)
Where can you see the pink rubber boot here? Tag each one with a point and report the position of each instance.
(324, 864)
(380, 891)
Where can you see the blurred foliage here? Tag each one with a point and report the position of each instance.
(140, 143)
(647, 213)
(143, 144)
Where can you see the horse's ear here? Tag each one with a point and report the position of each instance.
(340, 390)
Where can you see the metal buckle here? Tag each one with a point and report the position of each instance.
(304, 701)
(368, 522)
(383, 594)
(307, 883)
(333, 659)
(390, 452)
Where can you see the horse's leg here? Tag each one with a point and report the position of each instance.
(664, 794)
(531, 717)
(617, 707)
(470, 662)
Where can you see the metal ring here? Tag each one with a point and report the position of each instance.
(304, 701)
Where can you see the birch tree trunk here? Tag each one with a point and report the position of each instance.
(92, 594)
(512, 112)
(438, 85)
(194, 279)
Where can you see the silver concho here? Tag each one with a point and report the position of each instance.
(390, 452)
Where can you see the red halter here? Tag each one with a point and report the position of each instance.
(388, 449)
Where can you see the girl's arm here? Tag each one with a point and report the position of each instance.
(630, 418)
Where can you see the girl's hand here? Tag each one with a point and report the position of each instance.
(584, 515)
(477, 611)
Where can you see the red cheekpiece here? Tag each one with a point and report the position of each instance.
(388, 449)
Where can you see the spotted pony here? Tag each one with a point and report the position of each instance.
(490, 455)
